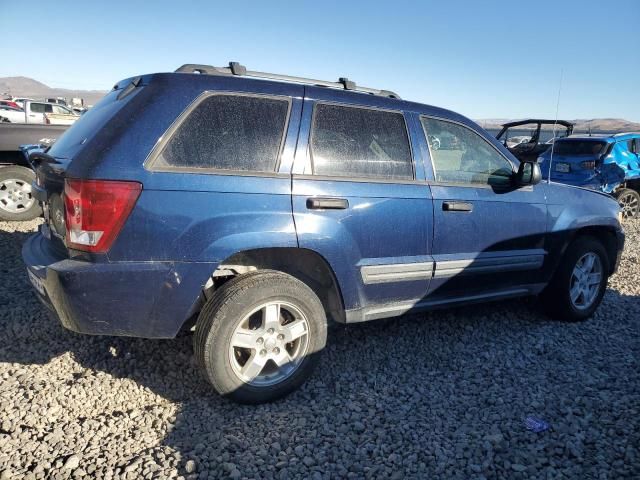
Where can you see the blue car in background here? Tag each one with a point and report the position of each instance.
(255, 207)
(608, 163)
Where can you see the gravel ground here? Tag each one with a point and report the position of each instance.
(441, 395)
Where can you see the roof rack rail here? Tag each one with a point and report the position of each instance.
(237, 69)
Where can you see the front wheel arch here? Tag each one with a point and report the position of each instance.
(555, 296)
(605, 234)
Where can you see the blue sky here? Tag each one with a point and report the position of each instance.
(491, 59)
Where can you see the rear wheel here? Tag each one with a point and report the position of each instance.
(258, 338)
(16, 199)
(629, 201)
(579, 284)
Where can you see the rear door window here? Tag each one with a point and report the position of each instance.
(357, 142)
(228, 132)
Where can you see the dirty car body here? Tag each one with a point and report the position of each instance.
(409, 229)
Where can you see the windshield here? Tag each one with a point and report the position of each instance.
(579, 147)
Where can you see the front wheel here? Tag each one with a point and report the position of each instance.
(629, 201)
(580, 281)
(16, 199)
(259, 337)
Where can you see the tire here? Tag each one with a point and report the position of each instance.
(557, 296)
(237, 314)
(629, 201)
(16, 200)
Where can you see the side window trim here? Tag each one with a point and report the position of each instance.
(372, 179)
(435, 181)
(156, 151)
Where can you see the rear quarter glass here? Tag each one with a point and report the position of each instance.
(226, 131)
(89, 124)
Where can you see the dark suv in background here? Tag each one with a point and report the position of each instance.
(257, 208)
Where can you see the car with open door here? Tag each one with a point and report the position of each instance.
(528, 139)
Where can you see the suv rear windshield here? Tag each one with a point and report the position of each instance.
(579, 147)
(228, 132)
(89, 125)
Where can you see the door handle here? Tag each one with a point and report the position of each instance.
(450, 206)
(318, 203)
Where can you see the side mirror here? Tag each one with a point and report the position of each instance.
(528, 173)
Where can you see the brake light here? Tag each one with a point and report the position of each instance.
(95, 211)
(588, 165)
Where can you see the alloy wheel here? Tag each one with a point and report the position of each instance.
(585, 281)
(629, 205)
(268, 344)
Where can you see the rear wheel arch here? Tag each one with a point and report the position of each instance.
(260, 336)
(306, 265)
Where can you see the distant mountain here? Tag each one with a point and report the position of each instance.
(581, 125)
(607, 124)
(30, 88)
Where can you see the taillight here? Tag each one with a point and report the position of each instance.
(95, 211)
(588, 165)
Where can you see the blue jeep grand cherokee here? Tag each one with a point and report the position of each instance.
(258, 208)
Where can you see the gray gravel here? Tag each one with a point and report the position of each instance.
(442, 395)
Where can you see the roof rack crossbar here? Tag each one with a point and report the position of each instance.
(236, 69)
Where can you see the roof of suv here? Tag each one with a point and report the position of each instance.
(343, 88)
(170, 93)
(237, 69)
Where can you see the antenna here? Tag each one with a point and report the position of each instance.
(555, 124)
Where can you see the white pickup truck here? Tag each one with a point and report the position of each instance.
(40, 112)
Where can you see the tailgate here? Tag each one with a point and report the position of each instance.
(51, 165)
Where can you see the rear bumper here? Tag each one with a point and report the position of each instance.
(140, 299)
